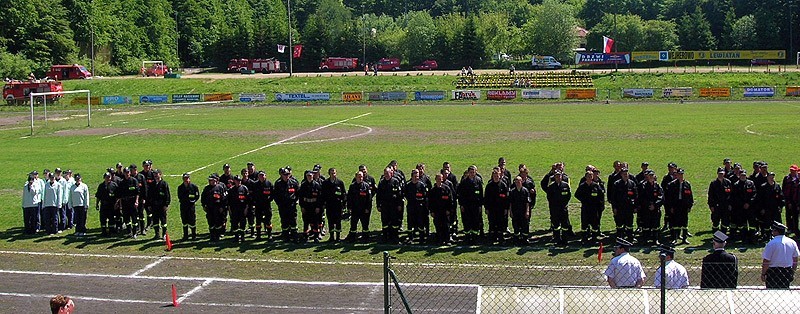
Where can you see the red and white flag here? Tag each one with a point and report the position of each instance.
(608, 43)
(281, 48)
(297, 51)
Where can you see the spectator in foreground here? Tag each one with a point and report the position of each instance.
(676, 276)
(61, 304)
(624, 271)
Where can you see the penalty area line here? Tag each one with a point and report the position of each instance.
(151, 265)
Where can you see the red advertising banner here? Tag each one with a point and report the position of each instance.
(501, 94)
(297, 51)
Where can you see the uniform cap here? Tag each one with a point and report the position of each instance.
(126, 170)
(736, 164)
(501, 160)
(78, 176)
(645, 164)
(794, 168)
(771, 174)
(250, 163)
(362, 167)
(226, 166)
(35, 172)
(649, 172)
(317, 167)
(58, 170)
(743, 172)
(261, 173)
(212, 177)
(720, 170)
(764, 164)
(672, 165)
(186, 175)
(623, 243)
(109, 169)
(288, 168)
(726, 160)
(668, 251)
(107, 175)
(307, 173)
(282, 171)
(681, 171)
(237, 178)
(133, 166)
(624, 169)
(778, 226)
(720, 237)
(147, 162)
(69, 171)
(119, 165)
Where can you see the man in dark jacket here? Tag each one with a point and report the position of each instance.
(720, 269)
(558, 196)
(390, 204)
(359, 205)
(335, 197)
(623, 200)
(188, 195)
(285, 194)
(497, 205)
(470, 197)
(160, 200)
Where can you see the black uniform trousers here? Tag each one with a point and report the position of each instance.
(590, 217)
(721, 217)
(80, 219)
(216, 216)
(792, 214)
(471, 218)
(50, 219)
(188, 215)
(288, 214)
(739, 218)
(359, 215)
(441, 221)
(239, 218)
(129, 211)
(520, 223)
(391, 219)
(312, 217)
(159, 214)
(418, 217)
(650, 219)
(106, 215)
(30, 218)
(779, 277)
(559, 218)
(679, 219)
(334, 214)
(263, 213)
(251, 216)
(498, 219)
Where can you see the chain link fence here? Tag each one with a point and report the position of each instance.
(475, 288)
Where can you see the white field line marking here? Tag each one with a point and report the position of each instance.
(151, 265)
(747, 129)
(24, 137)
(282, 141)
(193, 291)
(123, 133)
(266, 306)
(368, 131)
(15, 128)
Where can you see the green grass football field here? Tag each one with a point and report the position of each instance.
(200, 139)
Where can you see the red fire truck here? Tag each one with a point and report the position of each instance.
(17, 92)
(338, 64)
(258, 65)
(389, 64)
(68, 72)
(155, 70)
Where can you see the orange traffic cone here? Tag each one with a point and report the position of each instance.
(169, 243)
(600, 252)
(175, 296)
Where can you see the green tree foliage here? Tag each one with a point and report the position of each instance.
(552, 30)
(472, 50)
(659, 35)
(694, 31)
(15, 66)
(628, 34)
(420, 34)
(743, 33)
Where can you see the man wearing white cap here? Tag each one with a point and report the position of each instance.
(624, 271)
(720, 269)
(780, 259)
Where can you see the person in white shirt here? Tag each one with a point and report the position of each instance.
(79, 202)
(780, 259)
(70, 213)
(62, 208)
(31, 198)
(624, 271)
(50, 204)
(676, 275)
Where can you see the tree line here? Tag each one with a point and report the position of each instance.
(207, 33)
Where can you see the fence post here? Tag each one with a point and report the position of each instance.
(663, 258)
(386, 282)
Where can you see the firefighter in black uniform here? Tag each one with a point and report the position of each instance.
(262, 199)
(470, 198)
(423, 177)
(719, 197)
(239, 204)
(743, 218)
(285, 194)
(311, 207)
(592, 195)
(251, 206)
(441, 197)
(335, 197)
(448, 176)
(505, 175)
(226, 178)
(359, 205)
(160, 206)
(188, 194)
(389, 200)
(558, 196)
(416, 194)
(141, 213)
(129, 199)
(680, 199)
(650, 199)
(150, 183)
(720, 269)
(520, 203)
(623, 200)
(214, 202)
(497, 205)
(528, 183)
(106, 200)
(640, 177)
(770, 202)
(671, 175)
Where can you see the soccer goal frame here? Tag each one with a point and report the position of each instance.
(44, 101)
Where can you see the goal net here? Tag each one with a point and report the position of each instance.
(62, 119)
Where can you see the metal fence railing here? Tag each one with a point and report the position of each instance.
(473, 288)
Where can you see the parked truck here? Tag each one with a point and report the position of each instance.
(389, 64)
(68, 72)
(18, 92)
(545, 62)
(254, 65)
(338, 64)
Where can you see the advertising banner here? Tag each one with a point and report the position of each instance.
(638, 56)
(117, 100)
(715, 92)
(218, 97)
(708, 55)
(670, 92)
(178, 98)
(252, 97)
(541, 93)
(302, 96)
(793, 91)
(603, 58)
(759, 92)
(501, 94)
(581, 93)
(352, 96)
(82, 101)
(638, 93)
(377, 96)
(153, 99)
(434, 96)
(466, 94)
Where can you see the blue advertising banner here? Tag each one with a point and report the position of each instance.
(177, 98)
(302, 96)
(153, 99)
(388, 96)
(638, 93)
(116, 100)
(603, 58)
(759, 92)
(428, 96)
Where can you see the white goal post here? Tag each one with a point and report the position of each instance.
(44, 101)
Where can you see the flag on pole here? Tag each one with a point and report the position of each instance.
(608, 43)
(281, 48)
(297, 51)
(600, 252)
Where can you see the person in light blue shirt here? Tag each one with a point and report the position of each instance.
(51, 203)
(79, 202)
(31, 199)
(70, 212)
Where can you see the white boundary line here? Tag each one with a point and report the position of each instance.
(369, 130)
(193, 291)
(282, 141)
(151, 265)
(123, 133)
